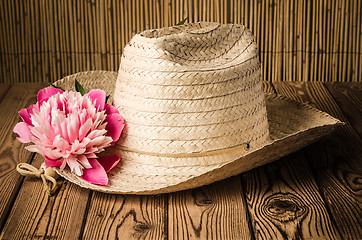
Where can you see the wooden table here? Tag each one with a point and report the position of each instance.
(312, 194)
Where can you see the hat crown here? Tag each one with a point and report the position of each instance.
(192, 88)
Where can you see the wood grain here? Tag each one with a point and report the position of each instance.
(216, 211)
(284, 202)
(349, 99)
(35, 215)
(12, 151)
(126, 217)
(336, 160)
(4, 88)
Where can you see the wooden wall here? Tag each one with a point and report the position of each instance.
(305, 40)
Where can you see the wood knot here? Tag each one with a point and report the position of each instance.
(204, 202)
(141, 227)
(284, 207)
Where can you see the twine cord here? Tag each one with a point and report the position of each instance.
(244, 146)
(28, 170)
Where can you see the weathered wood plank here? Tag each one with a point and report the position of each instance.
(12, 151)
(216, 211)
(35, 215)
(4, 88)
(337, 168)
(126, 217)
(284, 202)
(349, 99)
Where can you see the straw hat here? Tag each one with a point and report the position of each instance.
(195, 110)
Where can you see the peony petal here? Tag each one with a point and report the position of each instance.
(33, 148)
(91, 155)
(82, 116)
(33, 107)
(115, 124)
(84, 161)
(25, 113)
(97, 141)
(110, 109)
(96, 174)
(57, 118)
(23, 130)
(73, 127)
(99, 96)
(63, 127)
(74, 165)
(60, 143)
(45, 93)
(84, 129)
(64, 163)
(25, 116)
(98, 118)
(96, 133)
(109, 162)
(78, 148)
(90, 150)
(50, 153)
(52, 163)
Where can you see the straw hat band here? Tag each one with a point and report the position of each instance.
(188, 155)
(258, 134)
(184, 158)
(186, 161)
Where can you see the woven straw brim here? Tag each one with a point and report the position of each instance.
(292, 125)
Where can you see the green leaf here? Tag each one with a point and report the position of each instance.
(181, 22)
(56, 87)
(79, 87)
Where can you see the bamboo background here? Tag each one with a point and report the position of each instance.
(305, 40)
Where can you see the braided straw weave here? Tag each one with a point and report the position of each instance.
(195, 110)
(197, 87)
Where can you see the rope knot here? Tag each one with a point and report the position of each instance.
(28, 170)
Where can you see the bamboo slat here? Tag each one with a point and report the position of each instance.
(2, 42)
(358, 37)
(341, 41)
(42, 41)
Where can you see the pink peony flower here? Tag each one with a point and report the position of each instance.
(70, 129)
